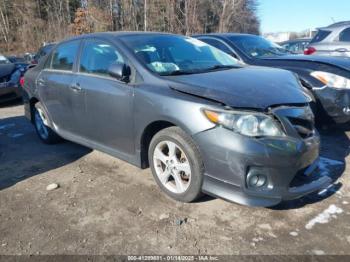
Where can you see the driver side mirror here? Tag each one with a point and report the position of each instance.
(120, 72)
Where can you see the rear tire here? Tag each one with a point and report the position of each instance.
(176, 164)
(45, 133)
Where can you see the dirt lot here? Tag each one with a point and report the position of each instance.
(106, 206)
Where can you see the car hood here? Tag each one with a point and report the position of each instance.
(6, 69)
(246, 87)
(342, 62)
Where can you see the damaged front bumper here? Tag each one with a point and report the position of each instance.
(335, 103)
(288, 165)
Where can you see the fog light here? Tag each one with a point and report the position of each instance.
(346, 110)
(256, 180)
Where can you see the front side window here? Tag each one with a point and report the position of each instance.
(64, 56)
(344, 36)
(173, 54)
(97, 57)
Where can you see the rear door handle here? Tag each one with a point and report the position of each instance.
(75, 87)
(341, 50)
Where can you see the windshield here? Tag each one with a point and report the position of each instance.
(172, 54)
(4, 60)
(257, 47)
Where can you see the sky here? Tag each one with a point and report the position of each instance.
(298, 15)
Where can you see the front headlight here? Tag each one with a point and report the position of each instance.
(331, 80)
(246, 123)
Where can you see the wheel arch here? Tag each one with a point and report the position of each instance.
(146, 137)
(32, 102)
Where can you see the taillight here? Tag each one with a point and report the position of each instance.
(309, 50)
(21, 81)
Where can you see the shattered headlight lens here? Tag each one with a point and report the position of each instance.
(331, 80)
(246, 123)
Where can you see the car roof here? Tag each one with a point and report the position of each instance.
(116, 34)
(336, 25)
(224, 34)
(296, 40)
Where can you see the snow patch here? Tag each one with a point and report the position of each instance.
(324, 217)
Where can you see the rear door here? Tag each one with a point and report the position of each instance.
(108, 121)
(63, 100)
(342, 46)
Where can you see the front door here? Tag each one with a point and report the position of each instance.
(108, 121)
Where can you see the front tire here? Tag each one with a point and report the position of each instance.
(45, 133)
(176, 164)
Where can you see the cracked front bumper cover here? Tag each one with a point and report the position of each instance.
(228, 157)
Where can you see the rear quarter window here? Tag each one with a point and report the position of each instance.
(320, 36)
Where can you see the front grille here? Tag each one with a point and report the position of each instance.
(305, 128)
(297, 121)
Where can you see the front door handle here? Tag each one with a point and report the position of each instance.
(75, 87)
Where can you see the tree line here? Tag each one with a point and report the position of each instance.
(26, 24)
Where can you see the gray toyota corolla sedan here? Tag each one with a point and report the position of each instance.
(201, 120)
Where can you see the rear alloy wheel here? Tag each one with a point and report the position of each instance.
(45, 133)
(176, 164)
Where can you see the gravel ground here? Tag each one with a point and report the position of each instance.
(106, 206)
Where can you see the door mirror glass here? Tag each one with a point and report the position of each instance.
(119, 71)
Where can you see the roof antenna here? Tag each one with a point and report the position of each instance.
(332, 18)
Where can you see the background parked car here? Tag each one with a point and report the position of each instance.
(296, 46)
(43, 51)
(328, 78)
(333, 40)
(20, 62)
(10, 75)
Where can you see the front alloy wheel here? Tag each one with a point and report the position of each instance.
(172, 167)
(176, 164)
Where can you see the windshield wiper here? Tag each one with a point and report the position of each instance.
(179, 72)
(198, 71)
(215, 67)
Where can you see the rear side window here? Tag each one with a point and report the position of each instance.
(321, 35)
(344, 36)
(97, 56)
(64, 56)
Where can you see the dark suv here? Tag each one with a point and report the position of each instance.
(200, 119)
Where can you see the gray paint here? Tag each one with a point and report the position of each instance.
(112, 116)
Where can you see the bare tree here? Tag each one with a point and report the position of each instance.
(26, 24)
